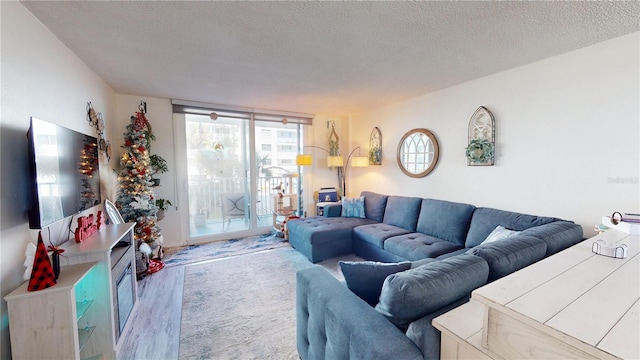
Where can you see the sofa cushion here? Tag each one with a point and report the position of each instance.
(376, 234)
(374, 205)
(412, 294)
(445, 220)
(484, 220)
(318, 229)
(353, 207)
(416, 246)
(500, 233)
(509, 255)
(319, 238)
(402, 211)
(365, 278)
(558, 235)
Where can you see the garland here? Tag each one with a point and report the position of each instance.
(479, 151)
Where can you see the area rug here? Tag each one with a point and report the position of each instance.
(190, 254)
(243, 307)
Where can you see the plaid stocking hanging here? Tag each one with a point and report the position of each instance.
(42, 275)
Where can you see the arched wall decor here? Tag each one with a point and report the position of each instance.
(375, 147)
(418, 153)
(480, 150)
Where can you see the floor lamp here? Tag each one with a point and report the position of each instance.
(356, 161)
(336, 161)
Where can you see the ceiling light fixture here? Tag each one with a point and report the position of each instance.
(213, 116)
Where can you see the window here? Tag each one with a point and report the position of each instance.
(283, 134)
(287, 148)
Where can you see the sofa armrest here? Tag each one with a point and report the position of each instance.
(333, 210)
(333, 323)
(558, 235)
(427, 337)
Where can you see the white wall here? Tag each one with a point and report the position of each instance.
(567, 137)
(44, 79)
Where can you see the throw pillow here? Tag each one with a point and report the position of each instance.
(353, 207)
(365, 278)
(500, 233)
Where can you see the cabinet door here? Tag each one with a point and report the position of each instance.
(44, 324)
(90, 318)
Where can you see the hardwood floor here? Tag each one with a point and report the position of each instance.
(154, 331)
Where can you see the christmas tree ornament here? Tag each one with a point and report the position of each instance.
(42, 275)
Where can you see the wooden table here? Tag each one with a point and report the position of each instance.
(574, 304)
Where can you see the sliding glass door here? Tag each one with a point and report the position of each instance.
(218, 175)
(241, 173)
(278, 186)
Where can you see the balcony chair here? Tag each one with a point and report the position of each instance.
(233, 207)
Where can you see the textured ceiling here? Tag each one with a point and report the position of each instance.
(319, 57)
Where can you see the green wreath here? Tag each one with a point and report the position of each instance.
(479, 151)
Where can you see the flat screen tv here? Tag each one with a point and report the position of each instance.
(65, 178)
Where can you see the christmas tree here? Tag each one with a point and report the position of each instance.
(136, 198)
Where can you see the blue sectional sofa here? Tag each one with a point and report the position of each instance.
(429, 255)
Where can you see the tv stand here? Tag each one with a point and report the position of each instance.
(60, 322)
(83, 316)
(113, 247)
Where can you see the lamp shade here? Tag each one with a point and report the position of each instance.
(304, 160)
(335, 161)
(360, 161)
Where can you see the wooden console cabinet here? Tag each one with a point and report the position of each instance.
(572, 305)
(85, 313)
(59, 322)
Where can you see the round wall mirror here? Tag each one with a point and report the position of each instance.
(418, 153)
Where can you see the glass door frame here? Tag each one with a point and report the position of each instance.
(182, 181)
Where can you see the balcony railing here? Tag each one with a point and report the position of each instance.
(204, 195)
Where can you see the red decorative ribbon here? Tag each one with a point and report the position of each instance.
(56, 249)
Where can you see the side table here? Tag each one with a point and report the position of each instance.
(320, 206)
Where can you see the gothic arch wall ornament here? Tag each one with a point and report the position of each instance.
(480, 150)
(375, 147)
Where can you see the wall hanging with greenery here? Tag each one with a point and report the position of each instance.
(375, 147)
(481, 147)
